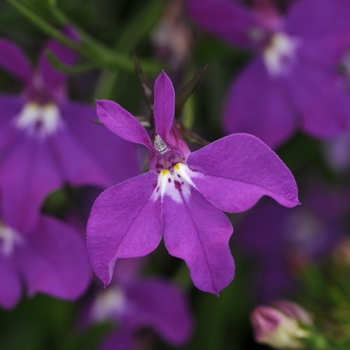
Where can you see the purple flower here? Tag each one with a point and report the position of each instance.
(182, 195)
(281, 241)
(294, 81)
(49, 258)
(47, 140)
(133, 303)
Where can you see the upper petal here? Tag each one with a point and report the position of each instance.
(317, 18)
(239, 169)
(122, 123)
(164, 105)
(116, 157)
(13, 59)
(321, 99)
(65, 153)
(54, 79)
(257, 104)
(53, 260)
(198, 232)
(228, 19)
(125, 222)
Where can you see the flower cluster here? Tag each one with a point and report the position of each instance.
(93, 192)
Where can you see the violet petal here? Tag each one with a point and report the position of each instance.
(124, 223)
(198, 232)
(239, 169)
(164, 105)
(228, 19)
(162, 306)
(54, 79)
(13, 60)
(120, 163)
(257, 104)
(122, 123)
(10, 290)
(54, 260)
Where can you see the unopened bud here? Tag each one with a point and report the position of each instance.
(280, 328)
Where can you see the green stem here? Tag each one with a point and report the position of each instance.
(88, 47)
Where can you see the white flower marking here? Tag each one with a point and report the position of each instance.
(280, 53)
(9, 238)
(175, 183)
(39, 119)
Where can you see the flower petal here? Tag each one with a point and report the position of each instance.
(99, 142)
(321, 99)
(122, 123)
(256, 104)
(66, 151)
(54, 260)
(28, 174)
(122, 339)
(124, 223)
(13, 60)
(164, 105)
(317, 18)
(162, 306)
(227, 19)
(10, 289)
(198, 232)
(239, 169)
(54, 79)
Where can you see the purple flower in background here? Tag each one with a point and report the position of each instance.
(182, 195)
(47, 140)
(281, 241)
(49, 258)
(294, 81)
(134, 302)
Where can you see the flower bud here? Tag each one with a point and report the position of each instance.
(280, 327)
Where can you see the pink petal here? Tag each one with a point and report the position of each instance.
(124, 223)
(239, 169)
(198, 232)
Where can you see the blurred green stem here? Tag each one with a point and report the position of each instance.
(91, 49)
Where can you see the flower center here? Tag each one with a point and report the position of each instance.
(175, 183)
(279, 54)
(9, 239)
(109, 304)
(39, 120)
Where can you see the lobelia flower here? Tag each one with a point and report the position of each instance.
(182, 195)
(49, 257)
(47, 140)
(294, 81)
(134, 302)
(281, 242)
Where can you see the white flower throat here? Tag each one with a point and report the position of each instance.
(279, 54)
(39, 120)
(9, 239)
